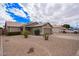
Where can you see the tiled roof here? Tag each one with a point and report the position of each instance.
(40, 24)
(36, 24)
(31, 24)
(15, 24)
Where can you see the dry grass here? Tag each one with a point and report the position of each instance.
(58, 44)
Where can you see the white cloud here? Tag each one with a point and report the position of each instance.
(3, 15)
(18, 12)
(47, 12)
(55, 13)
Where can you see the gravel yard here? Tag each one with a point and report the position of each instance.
(57, 45)
(1, 49)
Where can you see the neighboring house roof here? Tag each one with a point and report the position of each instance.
(13, 24)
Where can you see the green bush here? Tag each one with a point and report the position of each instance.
(25, 33)
(66, 26)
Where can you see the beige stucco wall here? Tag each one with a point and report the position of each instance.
(47, 29)
(13, 29)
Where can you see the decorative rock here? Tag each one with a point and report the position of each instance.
(31, 50)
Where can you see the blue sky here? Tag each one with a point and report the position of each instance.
(10, 6)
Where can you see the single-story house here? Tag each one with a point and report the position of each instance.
(43, 28)
(11, 27)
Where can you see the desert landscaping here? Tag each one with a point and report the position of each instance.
(39, 29)
(59, 44)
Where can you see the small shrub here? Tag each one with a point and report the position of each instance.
(25, 33)
(46, 36)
